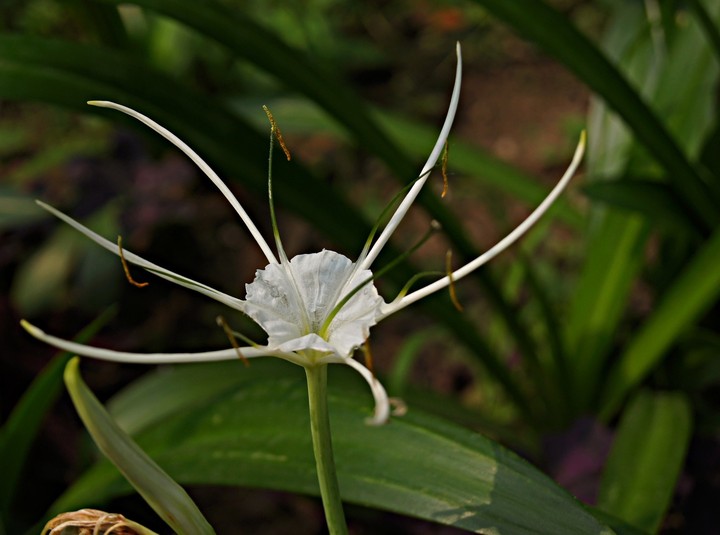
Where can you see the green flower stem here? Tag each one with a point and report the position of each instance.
(322, 446)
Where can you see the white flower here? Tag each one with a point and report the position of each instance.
(316, 308)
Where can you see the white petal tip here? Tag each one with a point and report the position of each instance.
(31, 329)
(375, 421)
(100, 103)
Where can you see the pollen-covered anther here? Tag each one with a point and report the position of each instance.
(276, 130)
(126, 269)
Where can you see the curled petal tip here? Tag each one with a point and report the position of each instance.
(382, 403)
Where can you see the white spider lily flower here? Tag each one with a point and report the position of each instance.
(316, 308)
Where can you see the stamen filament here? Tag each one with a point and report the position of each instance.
(434, 227)
(384, 214)
(273, 219)
(413, 280)
(451, 284)
(284, 262)
(126, 269)
(229, 333)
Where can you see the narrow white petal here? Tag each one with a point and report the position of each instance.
(503, 244)
(224, 298)
(382, 404)
(201, 164)
(365, 263)
(151, 358)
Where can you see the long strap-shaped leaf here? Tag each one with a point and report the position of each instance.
(255, 433)
(167, 498)
(693, 291)
(550, 30)
(646, 460)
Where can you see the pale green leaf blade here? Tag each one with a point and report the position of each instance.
(646, 459)
(694, 290)
(166, 497)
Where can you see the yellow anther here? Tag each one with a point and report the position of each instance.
(228, 332)
(451, 286)
(276, 130)
(126, 269)
(444, 170)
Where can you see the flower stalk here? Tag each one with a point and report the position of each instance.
(322, 447)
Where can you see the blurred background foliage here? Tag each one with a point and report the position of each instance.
(592, 348)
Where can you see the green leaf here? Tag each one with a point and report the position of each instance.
(693, 291)
(709, 27)
(254, 431)
(646, 459)
(613, 260)
(616, 241)
(166, 497)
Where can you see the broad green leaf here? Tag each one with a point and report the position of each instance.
(646, 459)
(166, 497)
(18, 432)
(693, 291)
(255, 432)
